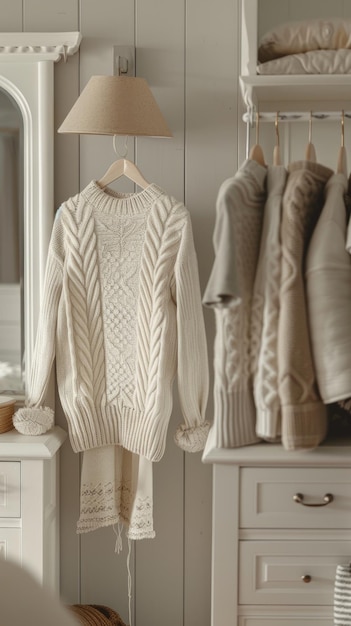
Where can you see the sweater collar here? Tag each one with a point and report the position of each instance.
(109, 201)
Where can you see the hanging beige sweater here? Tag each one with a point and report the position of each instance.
(265, 311)
(304, 420)
(328, 280)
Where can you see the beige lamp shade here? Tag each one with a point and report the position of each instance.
(116, 105)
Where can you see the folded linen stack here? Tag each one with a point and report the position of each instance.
(316, 46)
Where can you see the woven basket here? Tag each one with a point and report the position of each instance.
(7, 409)
(96, 615)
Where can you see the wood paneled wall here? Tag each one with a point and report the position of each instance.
(188, 52)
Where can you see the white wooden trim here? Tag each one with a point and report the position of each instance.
(50, 46)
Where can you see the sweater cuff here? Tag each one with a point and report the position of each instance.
(192, 439)
(304, 426)
(33, 421)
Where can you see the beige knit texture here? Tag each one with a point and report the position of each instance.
(265, 311)
(304, 419)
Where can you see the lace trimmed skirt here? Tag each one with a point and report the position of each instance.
(116, 488)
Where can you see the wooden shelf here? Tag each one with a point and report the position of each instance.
(322, 92)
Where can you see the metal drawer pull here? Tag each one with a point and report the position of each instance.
(298, 497)
(306, 578)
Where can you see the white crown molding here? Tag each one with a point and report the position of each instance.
(53, 46)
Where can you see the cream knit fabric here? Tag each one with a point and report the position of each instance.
(265, 311)
(304, 420)
(116, 488)
(239, 215)
(122, 314)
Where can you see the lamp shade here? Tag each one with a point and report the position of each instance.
(116, 105)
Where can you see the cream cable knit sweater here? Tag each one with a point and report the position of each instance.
(122, 314)
(265, 311)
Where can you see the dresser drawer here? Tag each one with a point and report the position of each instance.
(271, 572)
(10, 489)
(267, 498)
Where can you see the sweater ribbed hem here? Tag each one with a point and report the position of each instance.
(134, 430)
(303, 426)
(235, 418)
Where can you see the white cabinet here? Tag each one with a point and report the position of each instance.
(29, 502)
(281, 525)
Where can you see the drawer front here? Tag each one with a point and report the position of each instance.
(10, 544)
(267, 498)
(10, 489)
(271, 572)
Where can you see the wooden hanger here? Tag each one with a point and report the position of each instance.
(310, 154)
(276, 151)
(256, 152)
(341, 167)
(123, 167)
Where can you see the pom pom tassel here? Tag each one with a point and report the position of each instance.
(33, 421)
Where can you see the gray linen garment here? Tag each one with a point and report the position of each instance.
(237, 234)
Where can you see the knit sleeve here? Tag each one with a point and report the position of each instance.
(35, 419)
(193, 375)
(222, 289)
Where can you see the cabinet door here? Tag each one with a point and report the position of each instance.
(10, 489)
(273, 572)
(10, 544)
(267, 497)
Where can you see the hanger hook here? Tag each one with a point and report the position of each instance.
(277, 128)
(310, 128)
(342, 128)
(117, 150)
(257, 127)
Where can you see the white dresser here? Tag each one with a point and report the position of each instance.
(274, 556)
(29, 502)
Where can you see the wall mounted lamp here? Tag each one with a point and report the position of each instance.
(116, 105)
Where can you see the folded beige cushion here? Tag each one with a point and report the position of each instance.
(295, 37)
(312, 62)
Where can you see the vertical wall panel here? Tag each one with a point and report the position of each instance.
(11, 16)
(49, 15)
(210, 158)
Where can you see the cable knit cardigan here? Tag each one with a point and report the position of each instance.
(122, 314)
(265, 311)
(304, 418)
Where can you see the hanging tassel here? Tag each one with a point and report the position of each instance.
(118, 533)
(129, 582)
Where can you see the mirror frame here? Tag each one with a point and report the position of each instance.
(27, 76)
